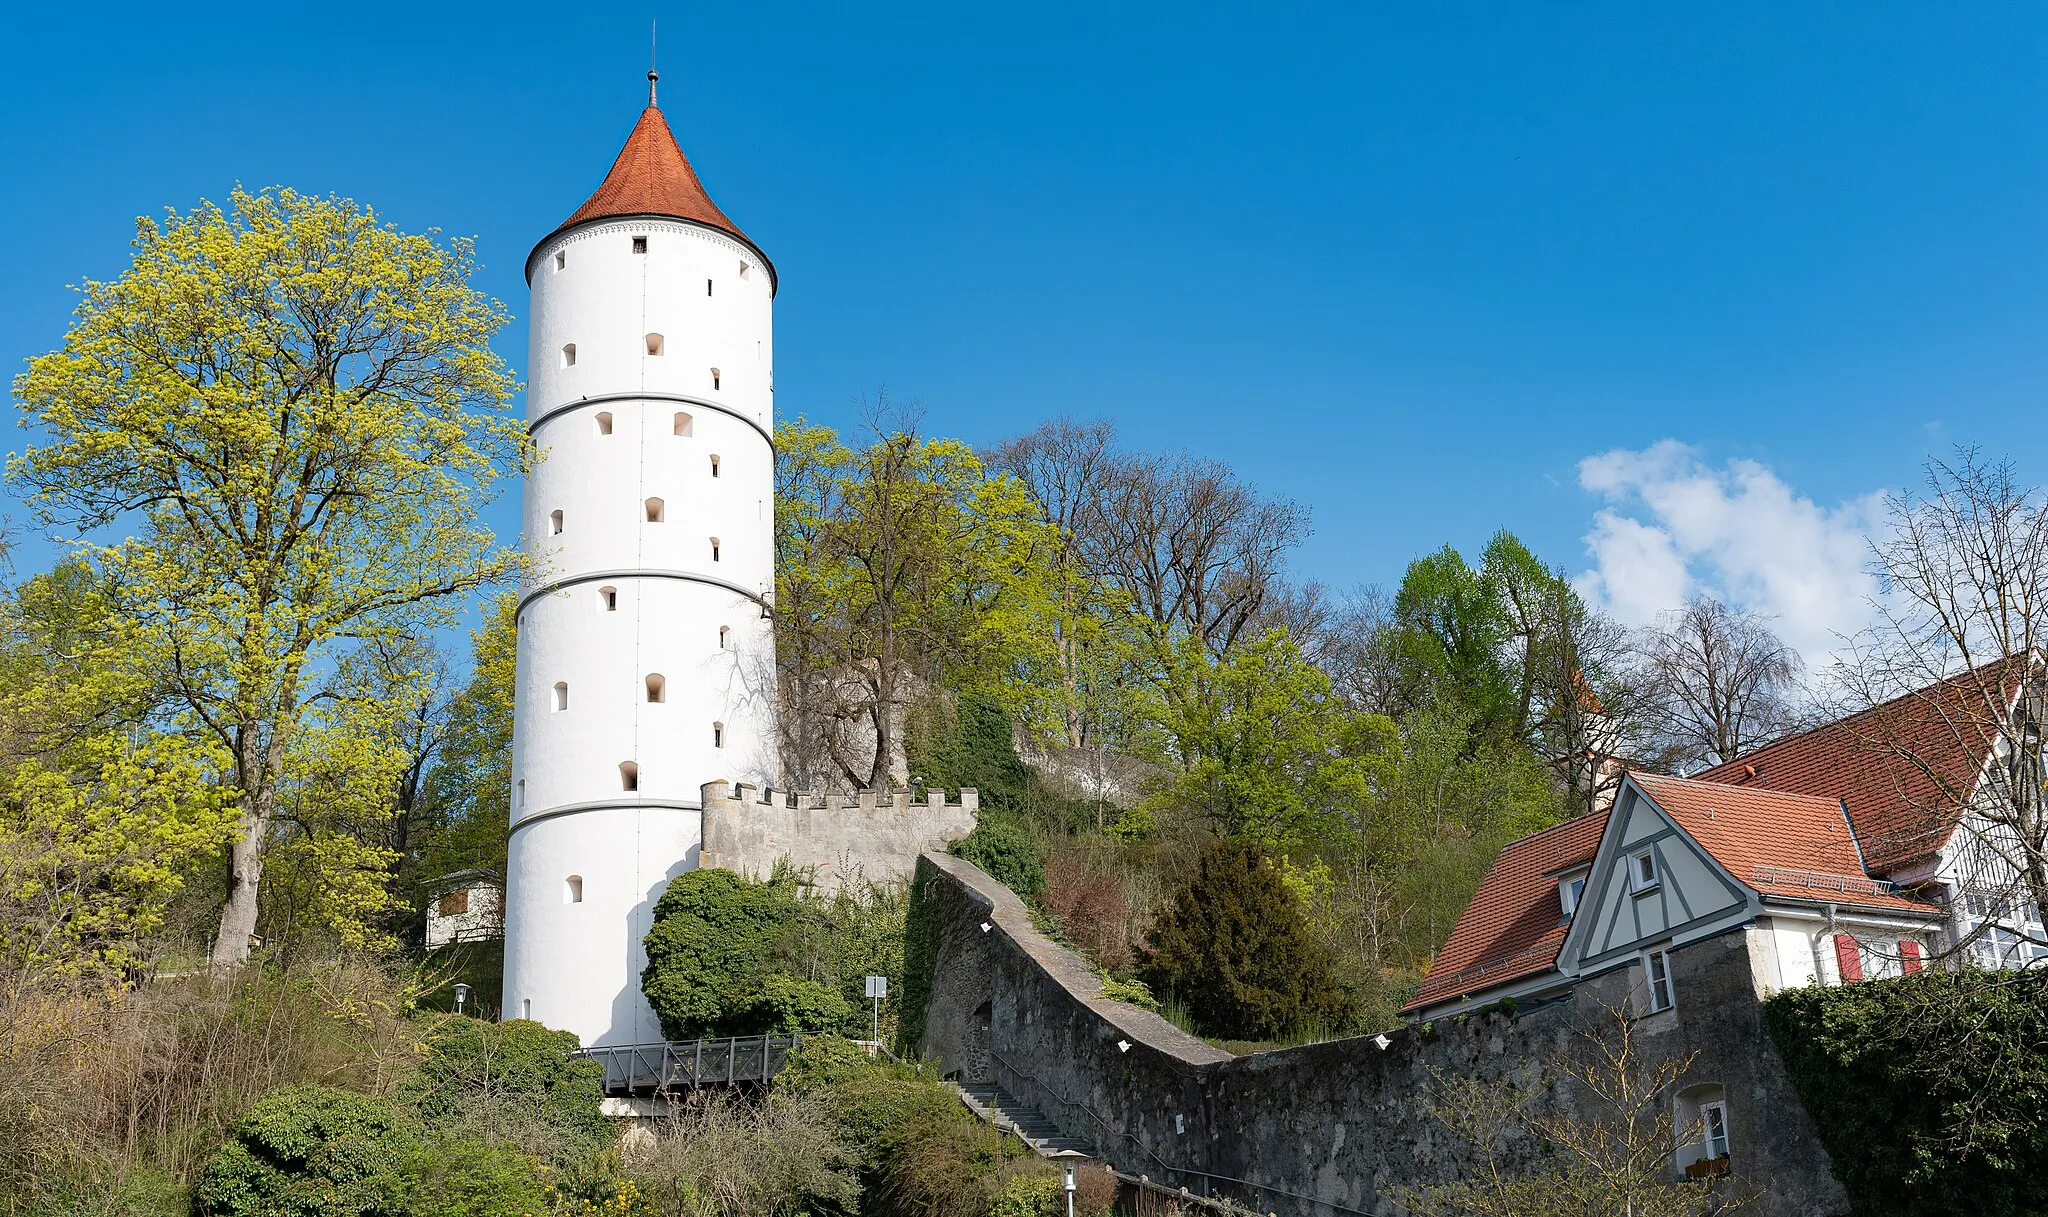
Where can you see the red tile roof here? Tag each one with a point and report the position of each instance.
(1789, 845)
(1514, 925)
(1903, 767)
(652, 177)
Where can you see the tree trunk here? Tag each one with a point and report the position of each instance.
(245, 877)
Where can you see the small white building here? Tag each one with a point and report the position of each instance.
(646, 657)
(467, 906)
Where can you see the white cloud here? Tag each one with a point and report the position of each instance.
(1675, 525)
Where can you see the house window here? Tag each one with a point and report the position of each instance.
(572, 890)
(561, 695)
(656, 511)
(604, 422)
(718, 735)
(555, 523)
(657, 687)
(568, 354)
(639, 245)
(654, 344)
(1657, 980)
(2008, 931)
(1714, 1128)
(561, 259)
(1642, 871)
(608, 599)
(454, 904)
(714, 380)
(629, 775)
(683, 424)
(1569, 891)
(714, 465)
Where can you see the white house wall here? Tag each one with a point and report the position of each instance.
(679, 610)
(1693, 897)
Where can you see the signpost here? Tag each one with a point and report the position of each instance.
(878, 988)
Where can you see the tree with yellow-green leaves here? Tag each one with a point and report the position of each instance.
(294, 409)
(900, 567)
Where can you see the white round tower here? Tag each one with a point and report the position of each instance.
(646, 661)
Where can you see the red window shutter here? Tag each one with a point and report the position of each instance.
(1909, 955)
(1848, 958)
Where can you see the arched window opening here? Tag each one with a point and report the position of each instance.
(604, 422)
(526, 1008)
(683, 424)
(718, 735)
(657, 688)
(714, 379)
(714, 549)
(555, 523)
(561, 695)
(608, 599)
(654, 344)
(561, 259)
(714, 464)
(568, 354)
(629, 775)
(725, 638)
(656, 511)
(572, 890)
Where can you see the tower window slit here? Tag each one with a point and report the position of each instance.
(639, 245)
(707, 287)
(718, 735)
(568, 354)
(657, 688)
(714, 464)
(683, 424)
(555, 523)
(608, 599)
(714, 549)
(629, 775)
(604, 422)
(561, 259)
(714, 379)
(572, 890)
(561, 695)
(654, 344)
(656, 511)
(724, 637)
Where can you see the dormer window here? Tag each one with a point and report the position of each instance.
(1570, 888)
(1642, 870)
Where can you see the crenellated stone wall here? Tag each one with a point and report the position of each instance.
(1328, 1128)
(840, 839)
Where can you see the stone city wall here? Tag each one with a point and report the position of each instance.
(841, 839)
(1327, 1128)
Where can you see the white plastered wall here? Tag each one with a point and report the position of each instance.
(578, 962)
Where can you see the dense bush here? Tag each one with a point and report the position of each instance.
(1926, 1089)
(729, 1155)
(309, 1151)
(730, 955)
(920, 1152)
(1235, 948)
(512, 1082)
(1004, 850)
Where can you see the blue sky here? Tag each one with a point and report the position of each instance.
(1411, 267)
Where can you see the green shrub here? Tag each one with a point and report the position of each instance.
(1235, 948)
(309, 1151)
(469, 1177)
(1033, 1195)
(1926, 1089)
(1005, 852)
(1130, 992)
(512, 1081)
(730, 955)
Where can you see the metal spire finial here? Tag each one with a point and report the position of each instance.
(652, 75)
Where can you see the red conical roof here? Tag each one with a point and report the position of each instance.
(652, 177)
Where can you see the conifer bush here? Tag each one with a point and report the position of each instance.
(1234, 947)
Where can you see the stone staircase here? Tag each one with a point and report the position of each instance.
(1011, 1114)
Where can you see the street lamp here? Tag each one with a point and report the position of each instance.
(461, 997)
(1069, 1182)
